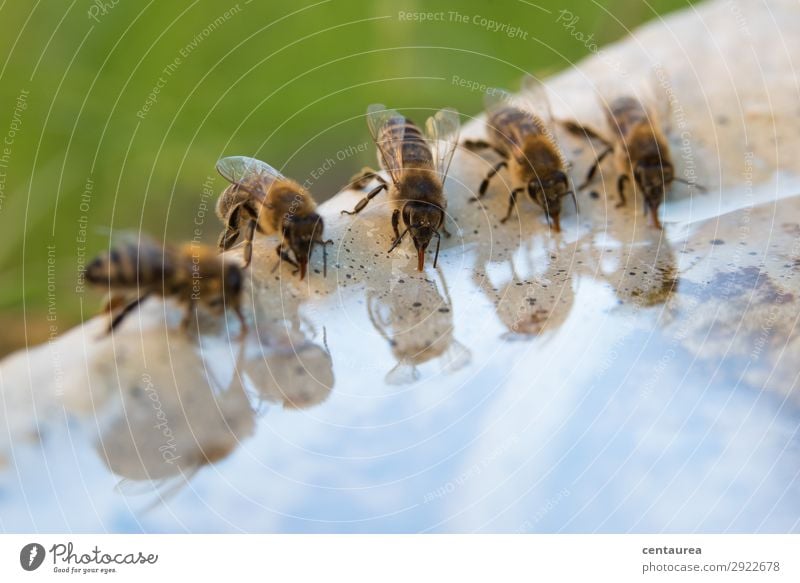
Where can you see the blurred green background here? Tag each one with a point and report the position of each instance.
(117, 110)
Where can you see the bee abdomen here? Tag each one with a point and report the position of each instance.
(626, 113)
(131, 266)
(415, 151)
(506, 123)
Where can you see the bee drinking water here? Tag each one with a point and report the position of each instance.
(640, 150)
(262, 199)
(417, 165)
(526, 145)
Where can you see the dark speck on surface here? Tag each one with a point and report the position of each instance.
(594, 194)
(416, 304)
(717, 242)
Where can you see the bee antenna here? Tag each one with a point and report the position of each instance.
(546, 208)
(438, 242)
(324, 260)
(575, 200)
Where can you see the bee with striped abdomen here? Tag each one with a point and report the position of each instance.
(417, 165)
(262, 199)
(524, 140)
(640, 150)
(193, 274)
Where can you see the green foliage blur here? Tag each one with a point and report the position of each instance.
(117, 110)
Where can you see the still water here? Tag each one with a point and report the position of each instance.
(613, 378)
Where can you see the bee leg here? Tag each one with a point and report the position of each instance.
(112, 303)
(583, 131)
(324, 254)
(478, 145)
(364, 177)
(231, 232)
(693, 184)
(242, 322)
(398, 236)
(485, 184)
(365, 201)
(187, 316)
(595, 166)
(227, 238)
(438, 242)
(249, 233)
(623, 178)
(283, 255)
(396, 223)
(512, 202)
(117, 319)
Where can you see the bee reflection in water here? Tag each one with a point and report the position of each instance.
(288, 369)
(642, 272)
(536, 300)
(179, 409)
(182, 407)
(417, 321)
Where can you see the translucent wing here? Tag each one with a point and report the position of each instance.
(144, 248)
(251, 175)
(656, 99)
(387, 128)
(498, 98)
(129, 237)
(534, 96)
(442, 131)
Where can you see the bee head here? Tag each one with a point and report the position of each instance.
(423, 220)
(654, 177)
(301, 234)
(548, 191)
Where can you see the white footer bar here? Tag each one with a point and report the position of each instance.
(401, 558)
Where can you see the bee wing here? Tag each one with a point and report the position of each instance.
(250, 174)
(497, 98)
(535, 99)
(387, 128)
(144, 249)
(534, 96)
(442, 131)
(137, 239)
(657, 100)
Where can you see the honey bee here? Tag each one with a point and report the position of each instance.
(191, 273)
(641, 150)
(261, 199)
(528, 148)
(417, 165)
